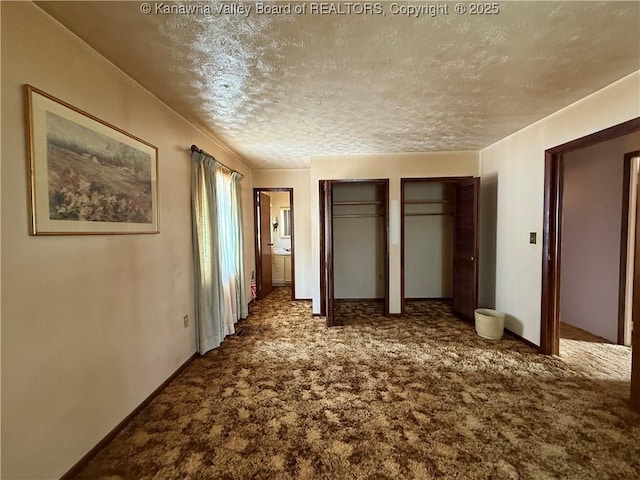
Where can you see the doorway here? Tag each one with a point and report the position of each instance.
(354, 260)
(274, 230)
(555, 163)
(439, 241)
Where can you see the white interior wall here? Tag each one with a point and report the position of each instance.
(428, 242)
(591, 235)
(298, 179)
(512, 172)
(91, 325)
(391, 166)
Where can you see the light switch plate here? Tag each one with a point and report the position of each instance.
(532, 237)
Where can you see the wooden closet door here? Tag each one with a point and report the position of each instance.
(265, 280)
(385, 244)
(323, 289)
(465, 252)
(326, 250)
(635, 335)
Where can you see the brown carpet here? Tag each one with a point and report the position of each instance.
(594, 356)
(376, 398)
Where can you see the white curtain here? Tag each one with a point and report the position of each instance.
(219, 283)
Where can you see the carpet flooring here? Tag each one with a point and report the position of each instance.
(594, 356)
(413, 397)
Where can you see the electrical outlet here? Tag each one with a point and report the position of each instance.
(185, 320)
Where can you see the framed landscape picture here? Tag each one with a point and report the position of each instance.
(87, 176)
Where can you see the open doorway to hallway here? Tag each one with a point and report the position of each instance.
(596, 242)
(589, 253)
(598, 206)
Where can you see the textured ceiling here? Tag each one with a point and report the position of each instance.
(281, 88)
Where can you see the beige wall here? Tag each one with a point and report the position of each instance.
(512, 172)
(90, 325)
(591, 235)
(391, 166)
(299, 181)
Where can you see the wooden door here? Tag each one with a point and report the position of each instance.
(635, 334)
(327, 242)
(385, 243)
(635, 355)
(323, 290)
(265, 286)
(465, 249)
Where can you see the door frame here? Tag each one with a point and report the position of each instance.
(324, 287)
(403, 182)
(624, 248)
(551, 252)
(552, 219)
(256, 228)
(326, 251)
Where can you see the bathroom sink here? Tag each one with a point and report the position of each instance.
(282, 251)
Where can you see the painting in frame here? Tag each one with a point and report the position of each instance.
(87, 176)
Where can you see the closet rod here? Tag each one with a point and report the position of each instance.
(425, 214)
(357, 215)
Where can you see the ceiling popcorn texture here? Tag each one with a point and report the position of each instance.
(279, 89)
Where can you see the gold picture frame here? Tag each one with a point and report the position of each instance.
(86, 176)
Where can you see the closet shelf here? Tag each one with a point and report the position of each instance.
(357, 215)
(373, 202)
(425, 202)
(427, 214)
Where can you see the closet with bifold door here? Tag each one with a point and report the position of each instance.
(439, 250)
(353, 244)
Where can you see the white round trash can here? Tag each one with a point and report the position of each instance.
(489, 323)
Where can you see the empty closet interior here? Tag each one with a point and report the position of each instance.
(428, 239)
(439, 231)
(359, 241)
(355, 239)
